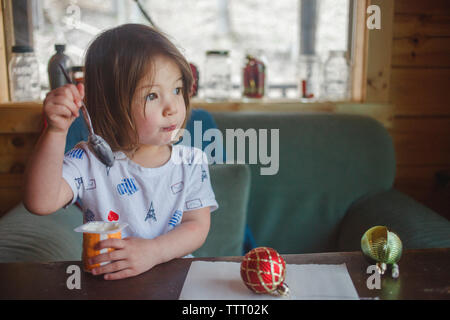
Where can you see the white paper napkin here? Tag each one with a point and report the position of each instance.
(222, 281)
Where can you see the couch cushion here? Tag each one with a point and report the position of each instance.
(417, 226)
(326, 161)
(231, 185)
(28, 237)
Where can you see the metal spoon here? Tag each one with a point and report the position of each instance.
(100, 147)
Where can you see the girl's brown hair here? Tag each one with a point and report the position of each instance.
(115, 62)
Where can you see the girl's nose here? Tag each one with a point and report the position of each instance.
(169, 108)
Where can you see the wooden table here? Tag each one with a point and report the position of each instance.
(424, 274)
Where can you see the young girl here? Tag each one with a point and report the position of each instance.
(137, 93)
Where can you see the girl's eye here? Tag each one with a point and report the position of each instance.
(177, 91)
(151, 97)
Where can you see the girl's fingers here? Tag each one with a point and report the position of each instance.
(80, 88)
(69, 104)
(126, 273)
(109, 256)
(60, 111)
(71, 92)
(75, 93)
(110, 243)
(110, 267)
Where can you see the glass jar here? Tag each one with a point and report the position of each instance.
(309, 77)
(336, 76)
(254, 76)
(217, 83)
(24, 74)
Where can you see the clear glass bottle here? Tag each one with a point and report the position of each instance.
(217, 82)
(24, 74)
(309, 70)
(254, 75)
(336, 76)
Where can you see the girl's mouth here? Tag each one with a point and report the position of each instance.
(171, 128)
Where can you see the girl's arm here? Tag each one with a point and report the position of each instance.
(45, 190)
(185, 238)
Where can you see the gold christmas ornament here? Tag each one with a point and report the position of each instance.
(383, 247)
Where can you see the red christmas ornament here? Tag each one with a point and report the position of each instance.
(263, 270)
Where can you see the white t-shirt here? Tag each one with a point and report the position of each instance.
(150, 200)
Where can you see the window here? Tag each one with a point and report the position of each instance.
(196, 26)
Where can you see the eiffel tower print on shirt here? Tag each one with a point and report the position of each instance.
(151, 213)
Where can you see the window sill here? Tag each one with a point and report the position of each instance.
(382, 112)
(26, 117)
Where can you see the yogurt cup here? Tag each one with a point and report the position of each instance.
(94, 232)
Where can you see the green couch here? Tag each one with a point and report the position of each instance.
(334, 181)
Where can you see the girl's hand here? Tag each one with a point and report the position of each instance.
(132, 256)
(61, 106)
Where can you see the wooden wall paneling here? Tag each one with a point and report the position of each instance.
(419, 51)
(420, 24)
(421, 140)
(10, 191)
(435, 7)
(422, 87)
(24, 117)
(422, 149)
(420, 83)
(15, 150)
(421, 40)
(422, 125)
(418, 181)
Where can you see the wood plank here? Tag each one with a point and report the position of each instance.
(418, 181)
(418, 110)
(359, 51)
(381, 112)
(13, 163)
(379, 55)
(21, 144)
(420, 51)
(9, 198)
(27, 117)
(420, 86)
(4, 85)
(275, 105)
(15, 150)
(11, 191)
(24, 117)
(431, 126)
(409, 25)
(422, 7)
(422, 149)
(8, 24)
(11, 180)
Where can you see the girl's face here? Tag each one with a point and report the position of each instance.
(158, 107)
